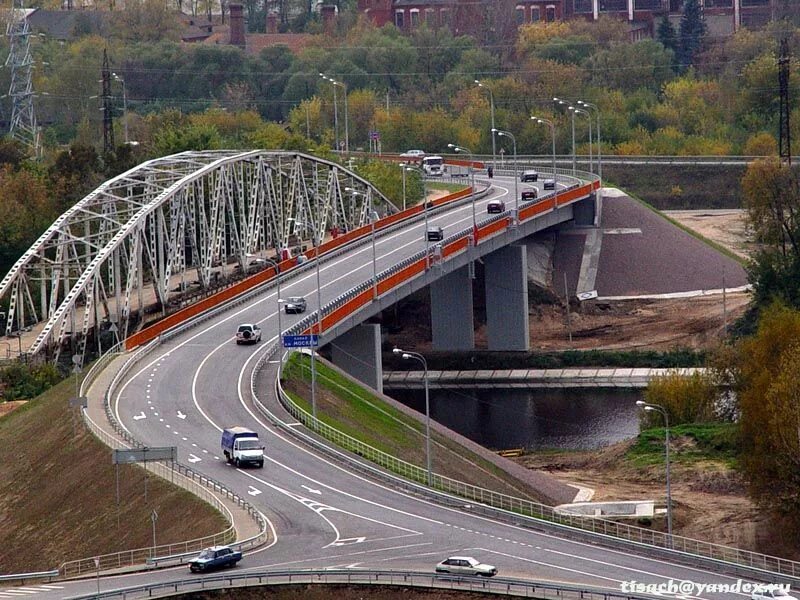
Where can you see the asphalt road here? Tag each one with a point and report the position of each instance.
(190, 388)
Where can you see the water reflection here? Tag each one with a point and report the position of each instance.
(578, 418)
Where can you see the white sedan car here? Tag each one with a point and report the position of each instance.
(413, 154)
(465, 565)
(769, 593)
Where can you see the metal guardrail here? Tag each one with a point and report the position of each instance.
(496, 585)
(529, 513)
(22, 577)
(201, 486)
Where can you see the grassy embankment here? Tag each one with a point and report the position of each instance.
(355, 411)
(694, 444)
(58, 493)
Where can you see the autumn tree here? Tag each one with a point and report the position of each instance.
(771, 194)
(768, 387)
(686, 398)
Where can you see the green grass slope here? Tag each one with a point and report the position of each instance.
(58, 493)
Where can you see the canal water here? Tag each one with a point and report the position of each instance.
(535, 419)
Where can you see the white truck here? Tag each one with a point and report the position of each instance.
(241, 447)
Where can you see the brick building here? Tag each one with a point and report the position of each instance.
(469, 16)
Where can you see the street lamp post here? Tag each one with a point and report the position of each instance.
(552, 126)
(562, 103)
(335, 110)
(491, 106)
(655, 407)
(424, 208)
(403, 170)
(599, 151)
(124, 104)
(516, 174)
(373, 217)
(421, 359)
(277, 268)
(461, 149)
(575, 110)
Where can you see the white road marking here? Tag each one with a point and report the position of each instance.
(253, 491)
(181, 415)
(193, 459)
(312, 490)
(139, 416)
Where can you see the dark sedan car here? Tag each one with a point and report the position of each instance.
(529, 175)
(295, 305)
(216, 557)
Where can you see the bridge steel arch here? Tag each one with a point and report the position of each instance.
(139, 233)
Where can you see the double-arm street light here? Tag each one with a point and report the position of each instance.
(552, 126)
(406, 354)
(462, 150)
(491, 107)
(516, 174)
(565, 105)
(277, 268)
(373, 217)
(599, 151)
(655, 407)
(334, 82)
(317, 241)
(124, 104)
(424, 206)
(580, 111)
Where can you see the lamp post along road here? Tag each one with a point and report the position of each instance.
(599, 151)
(516, 174)
(553, 135)
(421, 359)
(424, 209)
(124, 105)
(373, 217)
(658, 408)
(460, 150)
(335, 110)
(561, 102)
(574, 111)
(491, 108)
(403, 171)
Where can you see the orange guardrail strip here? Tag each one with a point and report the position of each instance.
(383, 286)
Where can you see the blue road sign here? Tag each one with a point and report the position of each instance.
(300, 341)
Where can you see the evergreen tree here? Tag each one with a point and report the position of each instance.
(692, 30)
(667, 36)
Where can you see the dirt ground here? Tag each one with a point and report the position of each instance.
(710, 499)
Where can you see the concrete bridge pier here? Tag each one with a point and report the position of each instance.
(585, 211)
(507, 324)
(452, 323)
(358, 353)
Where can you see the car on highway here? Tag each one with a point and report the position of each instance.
(767, 592)
(248, 333)
(434, 234)
(215, 557)
(465, 565)
(413, 154)
(295, 305)
(529, 195)
(529, 175)
(495, 207)
(549, 184)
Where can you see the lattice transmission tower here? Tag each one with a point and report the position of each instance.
(23, 118)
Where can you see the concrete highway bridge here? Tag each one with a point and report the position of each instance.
(136, 243)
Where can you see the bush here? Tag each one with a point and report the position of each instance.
(23, 382)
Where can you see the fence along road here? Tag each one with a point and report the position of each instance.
(326, 516)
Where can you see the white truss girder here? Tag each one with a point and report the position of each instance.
(115, 252)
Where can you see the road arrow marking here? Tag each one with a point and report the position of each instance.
(194, 459)
(348, 541)
(312, 490)
(139, 416)
(253, 491)
(181, 415)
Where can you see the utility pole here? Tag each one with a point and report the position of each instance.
(785, 142)
(108, 123)
(23, 118)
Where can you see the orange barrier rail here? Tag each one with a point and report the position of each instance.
(176, 318)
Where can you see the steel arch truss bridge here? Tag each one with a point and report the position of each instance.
(189, 221)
